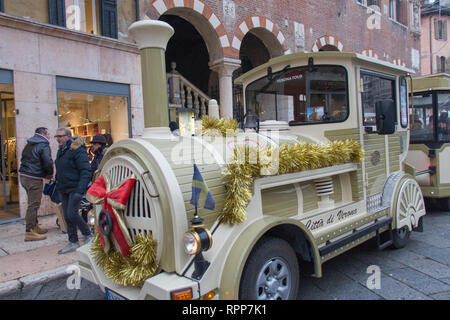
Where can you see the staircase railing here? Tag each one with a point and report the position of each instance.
(184, 94)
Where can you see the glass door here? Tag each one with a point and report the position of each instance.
(9, 187)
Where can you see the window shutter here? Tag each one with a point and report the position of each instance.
(438, 64)
(57, 12)
(436, 29)
(108, 16)
(444, 30)
(2, 6)
(404, 13)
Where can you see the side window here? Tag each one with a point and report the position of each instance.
(443, 109)
(422, 118)
(403, 94)
(374, 88)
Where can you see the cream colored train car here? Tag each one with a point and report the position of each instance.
(295, 219)
(429, 150)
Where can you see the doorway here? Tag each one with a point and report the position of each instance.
(9, 187)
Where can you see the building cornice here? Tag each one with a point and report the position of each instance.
(19, 23)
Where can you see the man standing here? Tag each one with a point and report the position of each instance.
(36, 163)
(73, 174)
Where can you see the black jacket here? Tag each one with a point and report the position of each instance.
(73, 171)
(98, 156)
(36, 158)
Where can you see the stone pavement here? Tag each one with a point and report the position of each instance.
(19, 259)
(420, 271)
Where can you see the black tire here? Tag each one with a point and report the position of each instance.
(400, 237)
(274, 258)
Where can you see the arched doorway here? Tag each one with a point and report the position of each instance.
(188, 49)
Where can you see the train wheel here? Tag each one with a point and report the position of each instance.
(271, 272)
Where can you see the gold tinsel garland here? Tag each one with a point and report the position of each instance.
(130, 271)
(218, 127)
(239, 175)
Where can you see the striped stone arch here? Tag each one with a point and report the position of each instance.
(399, 62)
(327, 40)
(370, 53)
(257, 21)
(161, 6)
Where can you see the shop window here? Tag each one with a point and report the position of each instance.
(375, 88)
(89, 114)
(90, 107)
(9, 184)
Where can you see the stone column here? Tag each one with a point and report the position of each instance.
(225, 67)
(151, 37)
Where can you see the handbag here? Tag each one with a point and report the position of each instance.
(50, 190)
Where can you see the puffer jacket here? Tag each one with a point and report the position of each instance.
(73, 171)
(36, 161)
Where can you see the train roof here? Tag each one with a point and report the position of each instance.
(357, 58)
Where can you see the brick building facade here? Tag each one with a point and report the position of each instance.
(303, 25)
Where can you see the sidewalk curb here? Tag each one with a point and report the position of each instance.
(15, 286)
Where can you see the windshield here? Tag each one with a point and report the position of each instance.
(299, 96)
(427, 107)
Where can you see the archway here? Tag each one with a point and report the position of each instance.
(188, 49)
(328, 43)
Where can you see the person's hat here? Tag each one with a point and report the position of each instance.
(99, 139)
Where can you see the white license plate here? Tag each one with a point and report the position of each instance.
(111, 295)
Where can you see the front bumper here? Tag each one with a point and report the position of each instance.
(158, 287)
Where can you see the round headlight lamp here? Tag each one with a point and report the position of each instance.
(91, 218)
(197, 240)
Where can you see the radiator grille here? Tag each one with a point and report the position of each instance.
(137, 213)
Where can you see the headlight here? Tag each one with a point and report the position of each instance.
(91, 218)
(197, 240)
(191, 242)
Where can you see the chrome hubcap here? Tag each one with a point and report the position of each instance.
(274, 280)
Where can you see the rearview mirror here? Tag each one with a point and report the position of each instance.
(385, 116)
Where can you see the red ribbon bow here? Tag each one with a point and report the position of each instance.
(113, 200)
